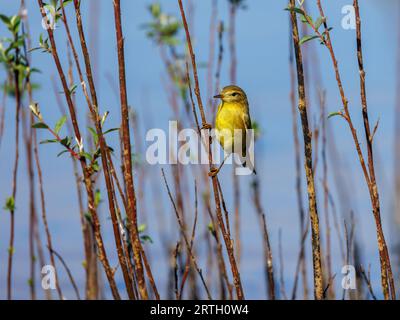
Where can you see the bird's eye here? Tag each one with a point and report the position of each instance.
(234, 94)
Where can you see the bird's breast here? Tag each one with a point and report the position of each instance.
(229, 117)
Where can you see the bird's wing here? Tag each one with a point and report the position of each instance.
(247, 120)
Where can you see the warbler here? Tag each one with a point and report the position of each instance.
(232, 122)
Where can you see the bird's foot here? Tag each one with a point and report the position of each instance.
(206, 126)
(213, 172)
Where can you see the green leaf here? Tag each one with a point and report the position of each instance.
(295, 9)
(88, 217)
(59, 124)
(66, 142)
(65, 2)
(319, 21)
(48, 141)
(5, 19)
(72, 88)
(40, 125)
(86, 155)
(307, 38)
(146, 238)
(104, 117)
(32, 70)
(305, 18)
(97, 198)
(94, 135)
(110, 130)
(334, 114)
(155, 9)
(62, 152)
(15, 23)
(142, 227)
(10, 204)
(95, 166)
(34, 49)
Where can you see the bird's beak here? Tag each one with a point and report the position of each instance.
(218, 96)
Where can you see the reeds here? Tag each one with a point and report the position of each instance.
(205, 254)
(308, 161)
(368, 168)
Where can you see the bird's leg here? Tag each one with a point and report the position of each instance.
(214, 171)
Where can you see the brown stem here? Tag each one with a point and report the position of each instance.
(88, 183)
(42, 197)
(299, 189)
(386, 268)
(211, 53)
(269, 266)
(236, 184)
(91, 266)
(281, 267)
(302, 105)
(175, 264)
(367, 279)
(187, 266)
(127, 156)
(369, 173)
(232, 42)
(221, 262)
(219, 65)
(326, 190)
(30, 138)
(103, 150)
(3, 110)
(15, 174)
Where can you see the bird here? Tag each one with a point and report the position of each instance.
(232, 114)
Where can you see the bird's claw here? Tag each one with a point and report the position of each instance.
(206, 126)
(213, 172)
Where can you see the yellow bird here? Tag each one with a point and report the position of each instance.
(231, 122)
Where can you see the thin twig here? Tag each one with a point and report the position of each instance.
(182, 229)
(71, 278)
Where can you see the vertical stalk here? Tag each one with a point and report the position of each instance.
(87, 179)
(312, 202)
(383, 250)
(94, 109)
(368, 170)
(31, 143)
(15, 175)
(28, 140)
(127, 156)
(269, 266)
(233, 67)
(91, 266)
(299, 188)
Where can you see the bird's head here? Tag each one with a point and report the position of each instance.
(232, 94)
